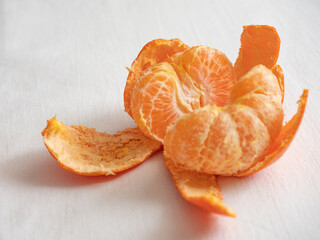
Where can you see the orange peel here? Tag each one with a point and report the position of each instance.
(199, 189)
(260, 44)
(84, 151)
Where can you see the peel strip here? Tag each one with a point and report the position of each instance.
(199, 189)
(260, 44)
(84, 151)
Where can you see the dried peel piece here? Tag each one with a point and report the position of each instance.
(260, 44)
(152, 53)
(84, 151)
(283, 141)
(199, 189)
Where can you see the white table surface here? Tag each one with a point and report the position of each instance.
(69, 58)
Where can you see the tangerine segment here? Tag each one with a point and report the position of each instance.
(155, 104)
(260, 44)
(259, 90)
(283, 141)
(84, 151)
(201, 190)
(152, 53)
(277, 71)
(212, 72)
(199, 76)
(227, 140)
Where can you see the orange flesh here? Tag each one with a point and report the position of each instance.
(212, 72)
(197, 77)
(260, 44)
(199, 189)
(283, 141)
(84, 151)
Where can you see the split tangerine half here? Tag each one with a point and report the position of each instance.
(84, 151)
(152, 53)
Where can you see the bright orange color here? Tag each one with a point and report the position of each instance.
(277, 71)
(152, 53)
(199, 189)
(84, 151)
(228, 140)
(197, 77)
(260, 44)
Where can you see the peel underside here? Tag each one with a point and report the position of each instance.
(84, 151)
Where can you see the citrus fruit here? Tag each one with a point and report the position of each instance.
(84, 151)
(213, 118)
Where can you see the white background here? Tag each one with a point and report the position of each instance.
(69, 58)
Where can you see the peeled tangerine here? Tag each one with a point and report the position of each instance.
(84, 151)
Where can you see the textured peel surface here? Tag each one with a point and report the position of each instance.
(85, 151)
(201, 190)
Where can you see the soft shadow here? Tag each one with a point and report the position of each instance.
(42, 170)
(176, 218)
(183, 221)
(180, 219)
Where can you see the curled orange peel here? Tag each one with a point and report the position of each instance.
(84, 151)
(260, 44)
(199, 189)
(283, 141)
